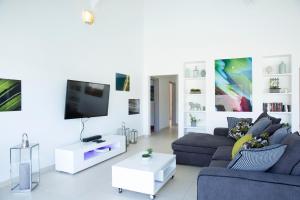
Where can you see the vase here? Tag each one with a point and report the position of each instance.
(282, 68)
(196, 72)
(193, 123)
(203, 73)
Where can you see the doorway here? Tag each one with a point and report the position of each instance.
(163, 102)
(172, 104)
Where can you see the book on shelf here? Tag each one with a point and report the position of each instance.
(276, 107)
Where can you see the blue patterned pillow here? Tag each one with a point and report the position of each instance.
(233, 121)
(257, 159)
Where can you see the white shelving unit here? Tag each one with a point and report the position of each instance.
(278, 103)
(195, 102)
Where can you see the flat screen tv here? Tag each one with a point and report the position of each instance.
(85, 99)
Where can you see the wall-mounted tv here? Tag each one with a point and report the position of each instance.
(85, 99)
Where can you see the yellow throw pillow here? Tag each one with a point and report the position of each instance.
(239, 144)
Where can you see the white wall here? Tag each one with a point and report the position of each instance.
(44, 43)
(176, 31)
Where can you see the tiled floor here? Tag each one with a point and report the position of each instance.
(95, 183)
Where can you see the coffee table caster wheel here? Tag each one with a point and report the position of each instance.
(120, 190)
(152, 196)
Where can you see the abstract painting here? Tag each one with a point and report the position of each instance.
(133, 106)
(10, 95)
(233, 85)
(122, 82)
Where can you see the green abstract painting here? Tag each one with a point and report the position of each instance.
(10, 95)
(233, 85)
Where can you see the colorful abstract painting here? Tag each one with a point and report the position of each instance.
(233, 85)
(122, 82)
(10, 95)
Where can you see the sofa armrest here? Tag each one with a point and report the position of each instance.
(221, 131)
(227, 184)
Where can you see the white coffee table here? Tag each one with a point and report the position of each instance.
(144, 176)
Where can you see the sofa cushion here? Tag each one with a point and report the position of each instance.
(288, 163)
(239, 144)
(195, 159)
(265, 114)
(260, 126)
(279, 135)
(272, 128)
(223, 153)
(256, 177)
(257, 159)
(296, 170)
(219, 163)
(201, 143)
(221, 131)
(232, 121)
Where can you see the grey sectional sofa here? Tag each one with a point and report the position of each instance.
(203, 150)
(215, 181)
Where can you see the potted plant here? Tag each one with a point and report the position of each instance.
(194, 120)
(147, 154)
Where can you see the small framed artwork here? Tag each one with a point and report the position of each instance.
(10, 95)
(133, 106)
(122, 82)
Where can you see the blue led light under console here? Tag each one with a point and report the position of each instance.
(96, 152)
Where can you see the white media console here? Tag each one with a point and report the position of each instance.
(79, 156)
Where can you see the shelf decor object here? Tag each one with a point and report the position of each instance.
(282, 68)
(196, 72)
(24, 166)
(274, 85)
(233, 85)
(269, 70)
(195, 96)
(195, 91)
(194, 120)
(277, 91)
(203, 73)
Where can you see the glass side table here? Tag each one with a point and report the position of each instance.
(24, 168)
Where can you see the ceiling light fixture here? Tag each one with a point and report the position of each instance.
(88, 17)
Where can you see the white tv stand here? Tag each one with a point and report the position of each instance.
(79, 156)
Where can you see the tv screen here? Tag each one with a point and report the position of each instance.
(85, 99)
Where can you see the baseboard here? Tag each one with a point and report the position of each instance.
(42, 171)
